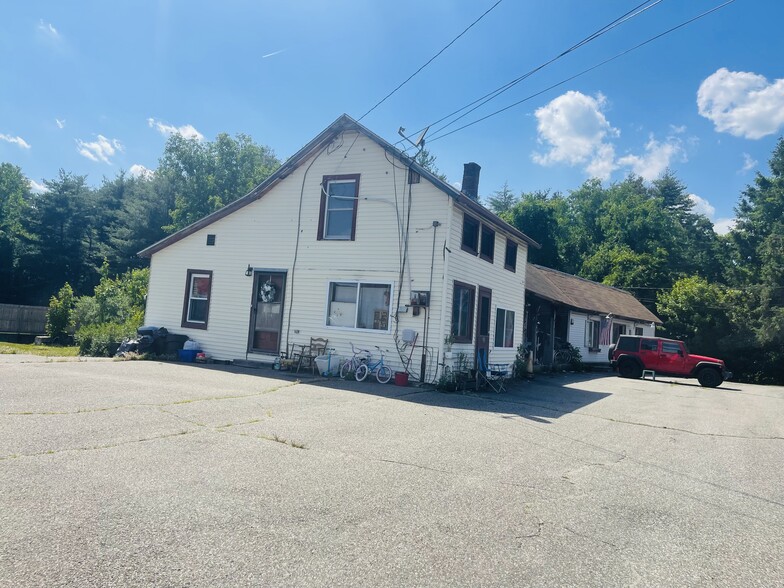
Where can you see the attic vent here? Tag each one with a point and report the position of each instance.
(413, 177)
(210, 240)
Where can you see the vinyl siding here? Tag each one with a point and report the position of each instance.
(264, 235)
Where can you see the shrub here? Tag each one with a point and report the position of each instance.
(59, 318)
(101, 340)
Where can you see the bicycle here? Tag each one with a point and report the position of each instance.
(563, 356)
(361, 356)
(383, 372)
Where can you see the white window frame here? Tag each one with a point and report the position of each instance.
(192, 297)
(503, 325)
(349, 208)
(359, 284)
(590, 331)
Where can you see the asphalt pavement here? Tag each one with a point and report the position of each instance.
(138, 473)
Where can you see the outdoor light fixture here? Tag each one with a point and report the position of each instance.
(249, 271)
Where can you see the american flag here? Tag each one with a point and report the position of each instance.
(605, 330)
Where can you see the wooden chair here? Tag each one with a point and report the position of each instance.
(309, 353)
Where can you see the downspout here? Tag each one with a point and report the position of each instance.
(423, 365)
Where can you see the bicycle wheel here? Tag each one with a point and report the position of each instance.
(384, 374)
(346, 368)
(361, 373)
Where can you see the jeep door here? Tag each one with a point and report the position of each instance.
(671, 358)
(649, 353)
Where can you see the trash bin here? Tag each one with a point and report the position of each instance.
(173, 343)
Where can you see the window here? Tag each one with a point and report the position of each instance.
(504, 328)
(338, 211)
(488, 244)
(649, 345)
(356, 305)
(592, 335)
(617, 331)
(670, 347)
(470, 235)
(463, 313)
(638, 331)
(510, 260)
(628, 344)
(196, 307)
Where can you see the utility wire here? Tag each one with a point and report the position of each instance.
(429, 61)
(482, 100)
(585, 71)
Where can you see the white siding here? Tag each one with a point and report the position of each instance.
(577, 325)
(263, 234)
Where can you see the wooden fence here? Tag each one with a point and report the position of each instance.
(23, 320)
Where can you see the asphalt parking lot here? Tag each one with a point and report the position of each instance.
(143, 473)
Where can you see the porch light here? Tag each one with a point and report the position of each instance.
(249, 271)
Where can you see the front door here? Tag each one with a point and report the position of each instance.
(266, 317)
(483, 328)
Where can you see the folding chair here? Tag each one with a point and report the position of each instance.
(491, 374)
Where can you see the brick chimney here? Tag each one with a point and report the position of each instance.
(471, 180)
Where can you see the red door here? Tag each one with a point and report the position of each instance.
(649, 353)
(671, 358)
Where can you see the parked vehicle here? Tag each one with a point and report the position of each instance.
(632, 354)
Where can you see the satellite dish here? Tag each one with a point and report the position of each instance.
(421, 139)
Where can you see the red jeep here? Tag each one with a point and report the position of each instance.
(633, 354)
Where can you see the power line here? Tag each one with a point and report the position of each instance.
(408, 79)
(479, 102)
(585, 71)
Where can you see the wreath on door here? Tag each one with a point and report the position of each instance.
(267, 291)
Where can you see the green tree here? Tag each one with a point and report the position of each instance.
(202, 177)
(14, 208)
(428, 161)
(536, 215)
(502, 200)
(59, 317)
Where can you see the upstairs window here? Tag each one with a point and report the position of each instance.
(196, 308)
(338, 210)
(488, 244)
(470, 235)
(510, 259)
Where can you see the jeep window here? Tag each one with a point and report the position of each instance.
(649, 345)
(627, 344)
(670, 347)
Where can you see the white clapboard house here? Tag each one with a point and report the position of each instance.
(352, 241)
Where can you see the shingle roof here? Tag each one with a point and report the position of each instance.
(343, 123)
(583, 294)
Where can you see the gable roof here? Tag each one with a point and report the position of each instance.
(342, 124)
(586, 295)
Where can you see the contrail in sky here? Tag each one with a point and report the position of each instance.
(273, 53)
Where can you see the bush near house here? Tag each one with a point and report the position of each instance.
(59, 318)
(114, 312)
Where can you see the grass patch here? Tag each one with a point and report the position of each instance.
(44, 350)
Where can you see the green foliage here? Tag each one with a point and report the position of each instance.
(102, 339)
(59, 318)
(537, 215)
(114, 312)
(14, 208)
(428, 161)
(520, 364)
(502, 200)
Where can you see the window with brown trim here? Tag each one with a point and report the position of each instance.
(487, 250)
(196, 306)
(338, 208)
(463, 312)
(470, 235)
(510, 259)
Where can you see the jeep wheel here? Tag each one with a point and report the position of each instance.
(709, 377)
(629, 368)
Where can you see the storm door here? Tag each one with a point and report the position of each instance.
(266, 317)
(483, 327)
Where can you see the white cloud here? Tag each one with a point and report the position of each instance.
(37, 188)
(60, 123)
(743, 104)
(48, 29)
(575, 130)
(702, 206)
(656, 159)
(187, 131)
(15, 140)
(722, 226)
(749, 163)
(138, 170)
(100, 150)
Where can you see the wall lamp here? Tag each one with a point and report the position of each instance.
(249, 271)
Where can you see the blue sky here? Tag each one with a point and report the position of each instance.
(95, 87)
